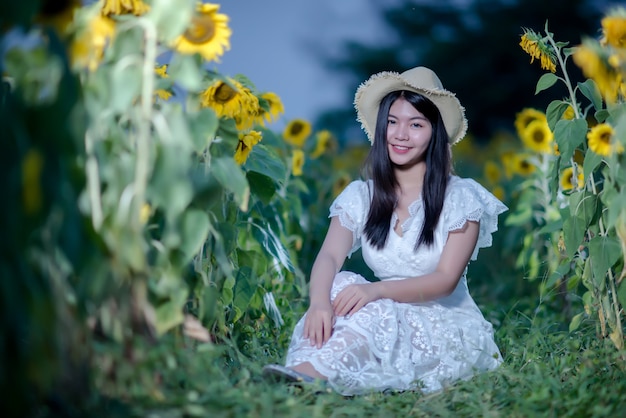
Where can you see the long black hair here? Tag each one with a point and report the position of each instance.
(379, 168)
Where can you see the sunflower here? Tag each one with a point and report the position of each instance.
(538, 137)
(535, 46)
(208, 33)
(122, 7)
(232, 99)
(325, 141)
(520, 164)
(297, 131)
(614, 29)
(567, 179)
(297, 162)
(569, 113)
(601, 139)
(589, 57)
(87, 48)
(270, 107)
(492, 172)
(525, 117)
(244, 146)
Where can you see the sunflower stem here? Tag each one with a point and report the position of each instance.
(93, 183)
(143, 129)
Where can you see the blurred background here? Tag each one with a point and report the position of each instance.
(315, 54)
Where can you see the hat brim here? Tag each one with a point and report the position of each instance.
(370, 93)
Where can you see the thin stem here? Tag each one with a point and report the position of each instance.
(143, 138)
(93, 183)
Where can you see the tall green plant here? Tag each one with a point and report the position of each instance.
(591, 214)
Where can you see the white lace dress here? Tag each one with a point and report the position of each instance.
(406, 346)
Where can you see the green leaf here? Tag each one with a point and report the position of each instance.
(621, 294)
(186, 71)
(125, 83)
(576, 320)
(583, 204)
(520, 217)
(170, 313)
(561, 271)
(573, 233)
(203, 125)
(261, 186)
(601, 115)
(604, 251)
(555, 111)
(546, 81)
(569, 134)
(551, 227)
(256, 260)
(227, 290)
(245, 287)
(272, 244)
(227, 130)
(591, 162)
(265, 161)
(169, 188)
(232, 177)
(590, 90)
(615, 204)
(177, 129)
(171, 18)
(195, 229)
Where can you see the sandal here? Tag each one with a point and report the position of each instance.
(286, 374)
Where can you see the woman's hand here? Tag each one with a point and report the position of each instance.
(353, 298)
(318, 324)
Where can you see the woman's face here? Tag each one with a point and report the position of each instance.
(408, 134)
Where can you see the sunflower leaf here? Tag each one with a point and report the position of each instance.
(590, 90)
(546, 81)
(569, 134)
(604, 251)
(555, 111)
(232, 177)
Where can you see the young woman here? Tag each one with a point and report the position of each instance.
(418, 227)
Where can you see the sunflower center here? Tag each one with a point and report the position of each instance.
(605, 138)
(224, 93)
(296, 129)
(201, 30)
(538, 137)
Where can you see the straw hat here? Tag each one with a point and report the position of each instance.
(419, 80)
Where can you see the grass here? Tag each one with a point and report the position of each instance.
(547, 372)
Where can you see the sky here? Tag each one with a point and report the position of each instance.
(271, 45)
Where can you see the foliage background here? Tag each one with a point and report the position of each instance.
(145, 272)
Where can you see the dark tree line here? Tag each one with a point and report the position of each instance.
(473, 47)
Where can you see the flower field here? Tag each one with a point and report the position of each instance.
(158, 230)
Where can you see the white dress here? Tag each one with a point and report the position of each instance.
(406, 346)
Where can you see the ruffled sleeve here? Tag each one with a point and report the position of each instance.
(352, 206)
(467, 200)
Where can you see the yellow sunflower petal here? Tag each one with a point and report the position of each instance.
(297, 131)
(208, 33)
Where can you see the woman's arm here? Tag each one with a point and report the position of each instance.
(442, 282)
(320, 317)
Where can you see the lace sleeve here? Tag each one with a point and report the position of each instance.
(352, 206)
(469, 201)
